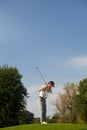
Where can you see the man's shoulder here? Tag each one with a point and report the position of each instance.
(45, 85)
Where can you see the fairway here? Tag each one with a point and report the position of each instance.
(47, 127)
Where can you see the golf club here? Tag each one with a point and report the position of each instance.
(41, 75)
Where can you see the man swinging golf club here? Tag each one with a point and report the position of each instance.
(43, 93)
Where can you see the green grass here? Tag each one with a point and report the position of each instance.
(47, 127)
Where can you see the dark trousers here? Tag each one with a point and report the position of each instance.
(42, 109)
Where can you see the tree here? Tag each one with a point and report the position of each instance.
(53, 119)
(26, 117)
(13, 96)
(81, 100)
(64, 102)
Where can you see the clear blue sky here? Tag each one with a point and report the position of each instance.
(50, 34)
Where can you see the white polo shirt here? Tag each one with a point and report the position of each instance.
(44, 93)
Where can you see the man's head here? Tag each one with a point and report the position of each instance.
(50, 84)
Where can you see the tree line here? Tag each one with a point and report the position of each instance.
(71, 106)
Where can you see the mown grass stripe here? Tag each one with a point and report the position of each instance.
(48, 127)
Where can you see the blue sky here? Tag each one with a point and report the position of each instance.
(50, 34)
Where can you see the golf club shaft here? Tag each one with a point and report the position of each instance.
(41, 75)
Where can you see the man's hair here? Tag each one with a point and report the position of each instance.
(51, 82)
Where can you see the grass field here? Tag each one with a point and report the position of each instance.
(47, 127)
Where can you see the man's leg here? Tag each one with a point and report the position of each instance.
(42, 110)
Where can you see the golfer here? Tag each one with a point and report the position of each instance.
(43, 93)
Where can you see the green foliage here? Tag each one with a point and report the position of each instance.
(81, 100)
(36, 121)
(53, 119)
(26, 117)
(74, 109)
(12, 96)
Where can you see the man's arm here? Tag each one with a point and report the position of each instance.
(42, 88)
